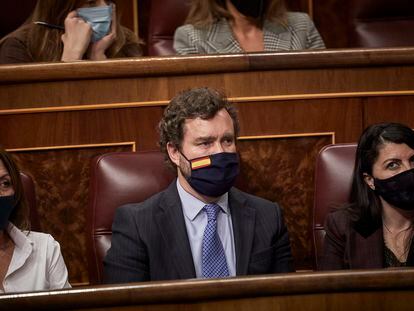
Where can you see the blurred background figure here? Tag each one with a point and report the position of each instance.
(68, 31)
(234, 26)
(29, 260)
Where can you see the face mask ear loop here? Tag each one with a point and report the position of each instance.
(184, 156)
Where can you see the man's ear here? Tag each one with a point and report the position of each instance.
(369, 180)
(173, 153)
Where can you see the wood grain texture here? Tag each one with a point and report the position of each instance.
(349, 290)
(187, 65)
(282, 170)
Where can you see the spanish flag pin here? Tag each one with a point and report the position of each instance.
(200, 162)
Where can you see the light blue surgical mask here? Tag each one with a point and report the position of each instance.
(99, 18)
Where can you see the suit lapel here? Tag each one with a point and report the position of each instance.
(243, 219)
(368, 250)
(276, 37)
(220, 38)
(170, 220)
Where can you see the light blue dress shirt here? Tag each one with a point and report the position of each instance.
(196, 221)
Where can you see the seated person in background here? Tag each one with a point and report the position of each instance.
(69, 30)
(235, 26)
(200, 226)
(376, 229)
(29, 260)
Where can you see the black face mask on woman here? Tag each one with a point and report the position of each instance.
(6, 207)
(397, 190)
(250, 8)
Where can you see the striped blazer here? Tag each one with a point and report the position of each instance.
(297, 34)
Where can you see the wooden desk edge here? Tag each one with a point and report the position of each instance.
(187, 291)
(196, 64)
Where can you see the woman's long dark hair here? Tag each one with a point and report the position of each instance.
(365, 207)
(20, 214)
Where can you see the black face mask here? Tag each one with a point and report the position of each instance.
(250, 8)
(397, 190)
(6, 207)
(213, 175)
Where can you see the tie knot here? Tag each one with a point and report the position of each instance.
(212, 211)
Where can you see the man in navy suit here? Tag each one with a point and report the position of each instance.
(200, 226)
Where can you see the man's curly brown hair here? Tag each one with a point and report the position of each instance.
(194, 103)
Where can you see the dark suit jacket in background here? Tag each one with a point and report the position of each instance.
(150, 242)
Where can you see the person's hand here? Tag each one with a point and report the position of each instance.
(76, 38)
(97, 49)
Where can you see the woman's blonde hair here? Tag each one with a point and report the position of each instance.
(205, 12)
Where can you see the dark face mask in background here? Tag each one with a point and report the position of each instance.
(6, 207)
(250, 8)
(213, 175)
(397, 190)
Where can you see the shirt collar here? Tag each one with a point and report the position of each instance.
(20, 239)
(193, 206)
(23, 247)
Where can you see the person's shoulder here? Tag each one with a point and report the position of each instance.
(298, 20)
(20, 34)
(341, 213)
(146, 206)
(253, 200)
(338, 219)
(199, 32)
(38, 236)
(41, 240)
(190, 31)
(14, 46)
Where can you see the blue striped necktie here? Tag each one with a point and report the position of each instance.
(213, 256)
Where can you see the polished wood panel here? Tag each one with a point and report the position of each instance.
(190, 65)
(392, 109)
(362, 290)
(280, 169)
(82, 127)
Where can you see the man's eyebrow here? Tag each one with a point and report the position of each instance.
(205, 138)
(5, 175)
(228, 135)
